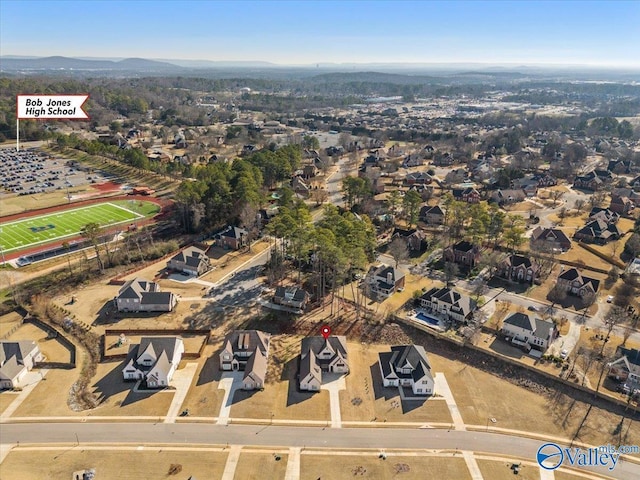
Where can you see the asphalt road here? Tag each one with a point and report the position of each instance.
(192, 433)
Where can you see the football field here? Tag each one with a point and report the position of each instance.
(33, 231)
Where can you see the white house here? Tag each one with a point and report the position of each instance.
(407, 366)
(154, 360)
(627, 367)
(529, 332)
(449, 303)
(319, 355)
(16, 359)
(384, 280)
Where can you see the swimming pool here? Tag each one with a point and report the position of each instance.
(427, 319)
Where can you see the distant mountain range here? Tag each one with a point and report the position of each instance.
(400, 73)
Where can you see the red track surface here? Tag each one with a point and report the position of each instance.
(61, 208)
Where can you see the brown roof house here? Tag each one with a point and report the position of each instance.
(621, 205)
(518, 268)
(319, 355)
(464, 253)
(16, 359)
(577, 284)
(231, 238)
(154, 360)
(191, 260)
(246, 351)
(138, 295)
(550, 239)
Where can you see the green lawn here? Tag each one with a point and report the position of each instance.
(33, 231)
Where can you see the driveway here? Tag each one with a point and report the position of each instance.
(333, 383)
(230, 382)
(181, 381)
(28, 383)
(567, 342)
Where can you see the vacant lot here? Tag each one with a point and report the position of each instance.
(366, 399)
(204, 397)
(5, 399)
(261, 465)
(23, 463)
(8, 322)
(313, 467)
(192, 343)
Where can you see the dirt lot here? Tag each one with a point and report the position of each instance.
(204, 397)
(192, 343)
(365, 398)
(118, 465)
(260, 465)
(313, 467)
(8, 321)
(51, 348)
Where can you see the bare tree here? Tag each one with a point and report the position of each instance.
(399, 250)
(556, 195)
(579, 205)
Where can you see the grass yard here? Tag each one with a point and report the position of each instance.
(261, 465)
(151, 463)
(6, 398)
(497, 470)
(204, 397)
(337, 467)
(55, 226)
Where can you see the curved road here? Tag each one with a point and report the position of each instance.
(260, 435)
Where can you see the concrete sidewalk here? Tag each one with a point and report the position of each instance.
(442, 388)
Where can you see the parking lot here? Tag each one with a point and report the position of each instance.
(30, 171)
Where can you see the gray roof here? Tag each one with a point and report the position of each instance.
(543, 328)
(12, 356)
(190, 255)
(136, 287)
(156, 298)
(232, 232)
(521, 320)
(247, 340)
(460, 303)
(158, 344)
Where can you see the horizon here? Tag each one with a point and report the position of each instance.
(299, 34)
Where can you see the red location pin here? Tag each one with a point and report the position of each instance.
(326, 331)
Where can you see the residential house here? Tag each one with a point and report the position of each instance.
(550, 239)
(232, 238)
(383, 280)
(432, 215)
(507, 197)
(191, 260)
(605, 214)
(468, 194)
(407, 366)
(319, 355)
(621, 205)
(413, 160)
(300, 187)
(619, 166)
(463, 253)
(577, 284)
(529, 185)
(445, 160)
(598, 231)
(518, 268)
(626, 368)
(544, 179)
(528, 332)
(594, 180)
(154, 360)
(449, 304)
(139, 295)
(418, 178)
(416, 239)
(309, 171)
(246, 351)
(179, 140)
(16, 359)
(293, 297)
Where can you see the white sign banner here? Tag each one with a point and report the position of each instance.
(61, 107)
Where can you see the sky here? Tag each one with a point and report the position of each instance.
(598, 33)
